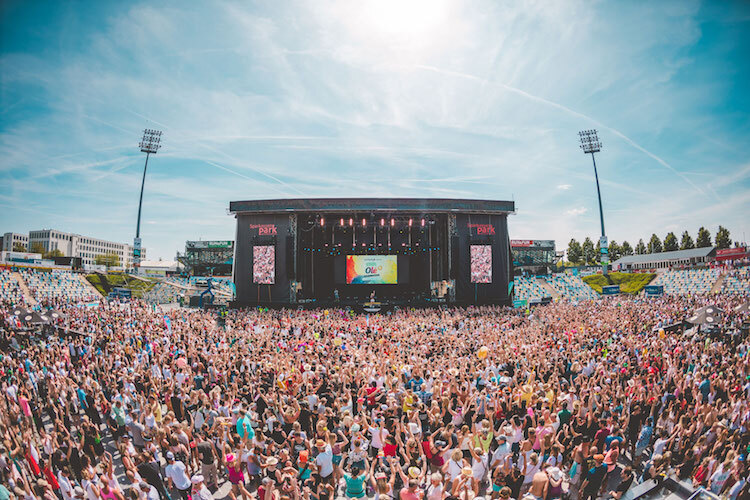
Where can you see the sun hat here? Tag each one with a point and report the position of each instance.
(414, 472)
(466, 471)
(320, 443)
(272, 461)
(196, 479)
(554, 473)
(170, 456)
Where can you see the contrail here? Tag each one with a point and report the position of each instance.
(567, 110)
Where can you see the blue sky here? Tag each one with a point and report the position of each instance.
(440, 98)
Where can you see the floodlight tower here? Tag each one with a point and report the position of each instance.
(590, 144)
(150, 144)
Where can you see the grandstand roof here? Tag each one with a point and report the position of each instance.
(373, 205)
(693, 253)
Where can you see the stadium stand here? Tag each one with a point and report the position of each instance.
(57, 286)
(529, 289)
(737, 282)
(10, 291)
(164, 293)
(687, 282)
(572, 287)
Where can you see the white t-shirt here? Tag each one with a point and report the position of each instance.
(377, 442)
(324, 460)
(176, 472)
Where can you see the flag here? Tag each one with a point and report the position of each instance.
(168, 323)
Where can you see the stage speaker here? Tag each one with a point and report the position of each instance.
(454, 257)
(290, 257)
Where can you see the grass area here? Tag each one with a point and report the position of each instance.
(631, 283)
(138, 287)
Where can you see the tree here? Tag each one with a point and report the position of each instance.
(615, 251)
(625, 248)
(37, 247)
(19, 247)
(574, 251)
(640, 248)
(107, 259)
(687, 241)
(722, 238)
(589, 253)
(54, 253)
(654, 244)
(670, 242)
(704, 238)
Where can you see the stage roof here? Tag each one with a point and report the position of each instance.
(420, 205)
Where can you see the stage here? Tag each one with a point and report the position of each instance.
(407, 252)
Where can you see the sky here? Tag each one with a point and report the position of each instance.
(391, 98)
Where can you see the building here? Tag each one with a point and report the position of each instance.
(347, 250)
(85, 247)
(208, 258)
(158, 268)
(10, 240)
(533, 256)
(665, 260)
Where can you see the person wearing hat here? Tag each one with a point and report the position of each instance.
(199, 488)
(594, 478)
(145, 491)
(324, 461)
(177, 477)
(555, 486)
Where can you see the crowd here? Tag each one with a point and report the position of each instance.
(481, 263)
(566, 400)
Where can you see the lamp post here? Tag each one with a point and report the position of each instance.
(150, 144)
(590, 144)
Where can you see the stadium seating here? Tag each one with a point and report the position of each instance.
(737, 282)
(529, 289)
(572, 287)
(10, 291)
(688, 282)
(56, 286)
(165, 293)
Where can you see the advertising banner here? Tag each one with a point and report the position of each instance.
(371, 270)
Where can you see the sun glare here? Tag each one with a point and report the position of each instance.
(405, 20)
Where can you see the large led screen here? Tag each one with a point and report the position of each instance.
(264, 265)
(371, 270)
(481, 263)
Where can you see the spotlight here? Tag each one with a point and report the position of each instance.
(382, 222)
(364, 222)
(410, 221)
(322, 222)
(351, 221)
(422, 222)
(342, 221)
(393, 222)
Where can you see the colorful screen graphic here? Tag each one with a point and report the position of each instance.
(264, 265)
(371, 270)
(481, 263)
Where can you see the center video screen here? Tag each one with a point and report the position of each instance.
(481, 263)
(371, 270)
(264, 265)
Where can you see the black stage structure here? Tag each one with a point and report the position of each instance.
(343, 251)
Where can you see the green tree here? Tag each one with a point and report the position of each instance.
(589, 253)
(107, 259)
(687, 241)
(625, 248)
(704, 238)
(670, 242)
(19, 247)
(615, 251)
(574, 251)
(54, 253)
(640, 248)
(722, 238)
(37, 247)
(654, 244)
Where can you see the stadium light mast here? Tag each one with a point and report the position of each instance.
(590, 144)
(150, 144)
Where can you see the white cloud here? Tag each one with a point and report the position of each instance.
(575, 212)
(564, 187)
